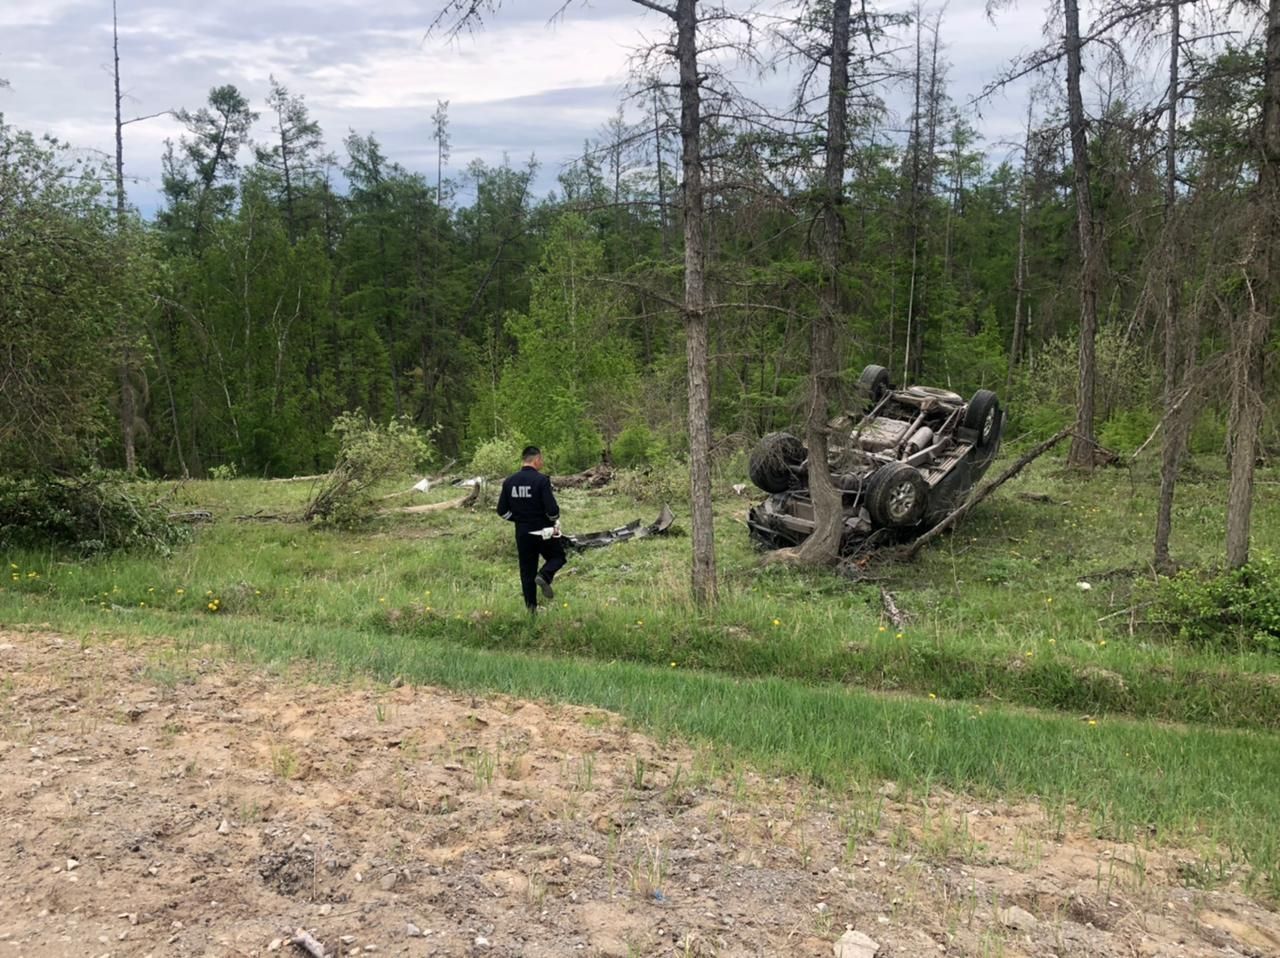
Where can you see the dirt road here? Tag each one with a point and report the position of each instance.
(162, 803)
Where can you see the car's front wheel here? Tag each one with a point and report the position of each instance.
(898, 495)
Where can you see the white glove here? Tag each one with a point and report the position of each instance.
(546, 533)
(556, 527)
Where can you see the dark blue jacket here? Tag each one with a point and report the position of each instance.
(527, 500)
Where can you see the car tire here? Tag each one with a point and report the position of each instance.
(983, 417)
(873, 384)
(897, 496)
(773, 461)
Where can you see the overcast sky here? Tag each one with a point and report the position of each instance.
(522, 86)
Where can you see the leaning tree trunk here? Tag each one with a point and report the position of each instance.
(1082, 445)
(695, 313)
(1174, 425)
(1249, 334)
(823, 545)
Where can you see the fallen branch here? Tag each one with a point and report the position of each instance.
(896, 615)
(425, 484)
(462, 502)
(195, 515)
(266, 517)
(304, 940)
(910, 551)
(301, 478)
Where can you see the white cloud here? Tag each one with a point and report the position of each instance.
(520, 85)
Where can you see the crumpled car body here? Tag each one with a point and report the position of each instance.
(903, 462)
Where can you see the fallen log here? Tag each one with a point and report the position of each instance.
(300, 478)
(910, 551)
(462, 502)
(593, 478)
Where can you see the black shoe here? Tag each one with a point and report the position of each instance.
(545, 586)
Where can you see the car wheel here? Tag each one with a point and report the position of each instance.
(983, 417)
(774, 460)
(873, 384)
(898, 495)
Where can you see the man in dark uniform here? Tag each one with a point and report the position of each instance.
(528, 501)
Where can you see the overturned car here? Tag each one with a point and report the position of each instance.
(903, 461)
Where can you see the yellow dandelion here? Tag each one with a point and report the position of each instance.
(1048, 600)
(213, 607)
(565, 605)
(884, 628)
(180, 591)
(1093, 721)
(1102, 642)
(151, 589)
(382, 598)
(639, 621)
(777, 622)
(932, 695)
(1028, 653)
(900, 635)
(16, 577)
(673, 665)
(1053, 641)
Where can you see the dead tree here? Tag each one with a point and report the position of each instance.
(460, 15)
(1175, 434)
(1082, 443)
(1250, 331)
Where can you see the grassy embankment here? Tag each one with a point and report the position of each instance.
(1018, 682)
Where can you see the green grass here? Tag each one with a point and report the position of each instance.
(998, 621)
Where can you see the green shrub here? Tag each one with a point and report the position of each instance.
(1208, 434)
(496, 457)
(636, 445)
(665, 482)
(1125, 431)
(368, 453)
(91, 513)
(1233, 609)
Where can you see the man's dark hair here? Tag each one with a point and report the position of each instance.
(530, 453)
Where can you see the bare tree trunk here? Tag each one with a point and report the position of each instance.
(1249, 334)
(823, 545)
(125, 361)
(1082, 444)
(1020, 274)
(695, 313)
(1175, 432)
(662, 189)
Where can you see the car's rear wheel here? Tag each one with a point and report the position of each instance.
(983, 417)
(774, 460)
(898, 495)
(873, 384)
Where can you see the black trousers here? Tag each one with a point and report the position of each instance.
(530, 548)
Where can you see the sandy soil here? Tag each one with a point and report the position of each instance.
(156, 804)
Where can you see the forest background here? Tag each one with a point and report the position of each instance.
(1117, 277)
